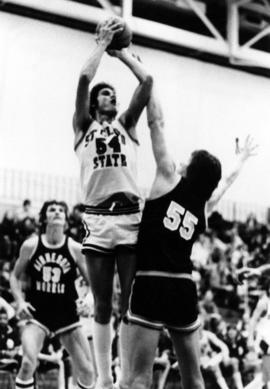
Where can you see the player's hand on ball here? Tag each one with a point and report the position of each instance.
(24, 310)
(106, 31)
(115, 53)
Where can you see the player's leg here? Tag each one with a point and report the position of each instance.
(188, 354)
(75, 342)
(142, 348)
(32, 340)
(126, 267)
(101, 269)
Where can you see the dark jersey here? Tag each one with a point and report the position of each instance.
(52, 273)
(170, 225)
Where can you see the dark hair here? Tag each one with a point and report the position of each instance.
(3, 311)
(94, 94)
(43, 210)
(203, 173)
(79, 207)
(26, 202)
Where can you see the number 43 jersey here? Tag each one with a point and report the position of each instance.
(108, 162)
(170, 225)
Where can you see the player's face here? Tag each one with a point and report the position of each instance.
(106, 100)
(56, 215)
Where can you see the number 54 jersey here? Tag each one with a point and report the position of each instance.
(108, 162)
(170, 225)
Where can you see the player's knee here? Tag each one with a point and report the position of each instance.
(197, 383)
(140, 381)
(103, 311)
(194, 381)
(28, 365)
(86, 371)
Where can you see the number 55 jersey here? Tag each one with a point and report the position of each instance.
(108, 162)
(170, 225)
(163, 293)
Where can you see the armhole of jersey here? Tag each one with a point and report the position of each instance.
(128, 133)
(34, 250)
(79, 141)
(80, 138)
(132, 138)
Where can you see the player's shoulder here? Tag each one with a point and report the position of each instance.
(29, 247)
(163, 185)
(30, 243)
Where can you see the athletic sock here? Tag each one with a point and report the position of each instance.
(102, 339)
(24, 384)
(124, 354)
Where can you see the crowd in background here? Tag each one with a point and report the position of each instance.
(227, 360)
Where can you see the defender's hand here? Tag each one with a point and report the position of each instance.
(249, 149)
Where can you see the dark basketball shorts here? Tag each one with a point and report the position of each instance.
(168, 300)
(55, 321)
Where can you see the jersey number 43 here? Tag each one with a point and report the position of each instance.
(179, 218)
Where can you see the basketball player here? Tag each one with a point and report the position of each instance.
(106, 147)
(50, 262)
(163, 293)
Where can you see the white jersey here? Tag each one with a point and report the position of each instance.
(108, 162)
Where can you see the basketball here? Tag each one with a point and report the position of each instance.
(120, 39)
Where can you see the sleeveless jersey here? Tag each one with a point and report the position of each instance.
(170, 225)
(52, 272)
(108, 162)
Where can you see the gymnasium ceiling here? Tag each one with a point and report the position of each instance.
(233, 33)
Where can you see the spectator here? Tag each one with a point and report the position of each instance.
(8, 237)
(26, 211)
(218, 361)
(9, 343)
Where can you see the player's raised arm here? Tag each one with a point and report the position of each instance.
(245, 153)
(105, 34)
(155, 119)
(141, 95)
